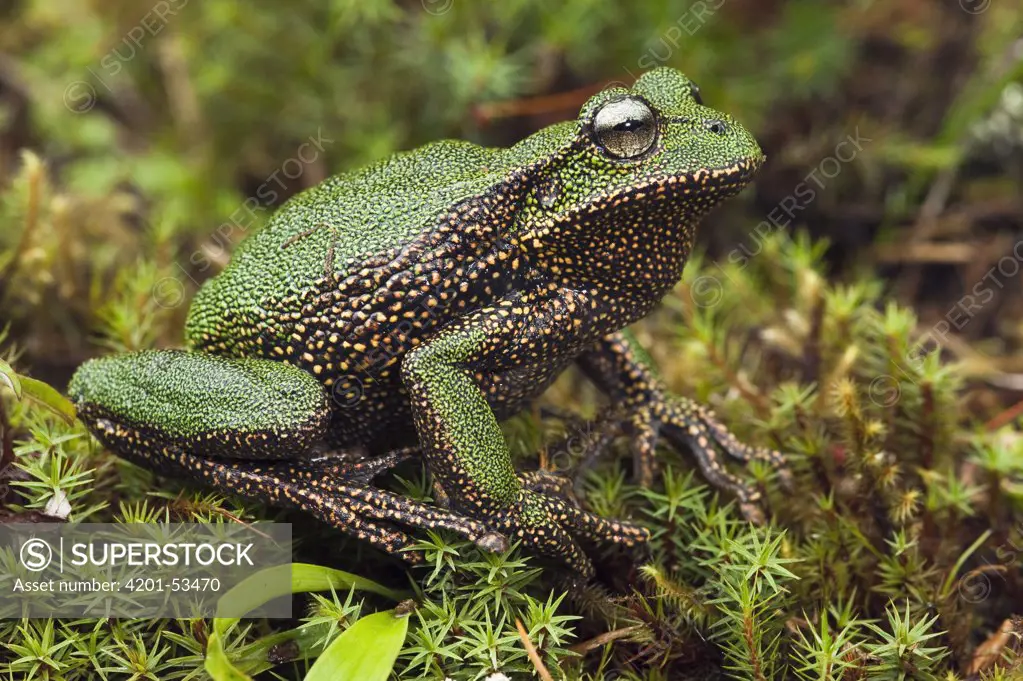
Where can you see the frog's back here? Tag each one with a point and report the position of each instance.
(334, 231)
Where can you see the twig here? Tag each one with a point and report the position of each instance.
(751, 646)
(542, 104)
(186, 111)
(605, 638)
(926, 223)
(990, 651)
(927, 252)
(1005, 417)
(534, 656)
(813, 339)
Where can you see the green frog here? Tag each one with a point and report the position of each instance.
(408, 307)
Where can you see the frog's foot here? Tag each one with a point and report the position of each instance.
(621, 369)
(340, 467)
(688, 425)
(580, 449)
(551, 525)
(547, 482)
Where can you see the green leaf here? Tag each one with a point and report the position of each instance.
(37, 391)
(44, 395)
(9, 377)
(264, 586)
(946, 587)
(218, 666)
(366, 651)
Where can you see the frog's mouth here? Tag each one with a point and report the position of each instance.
(729, 179)
(705, 187)
(680, 199)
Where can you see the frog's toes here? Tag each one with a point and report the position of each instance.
(533, 520)
(691, 427)
(546, 482)
(753, 513)
(493, 542)
(735, 448)
(589, 439)
(368, 468)
(340, 467)
(549, 525)
(785, 480)
(593, 527)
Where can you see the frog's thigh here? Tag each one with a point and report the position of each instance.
(143, 403)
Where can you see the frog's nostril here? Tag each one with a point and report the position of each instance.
(716, 126)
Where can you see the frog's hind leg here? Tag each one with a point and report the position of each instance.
(247, 427)
(446, 379)
(361, 511)
(261, 484)
(342, 466)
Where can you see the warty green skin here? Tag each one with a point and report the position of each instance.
(444, 289)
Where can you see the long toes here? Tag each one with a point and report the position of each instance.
(532, 522)
(326, 472)
(687, 423)
(594, 527)
(494, 542)
(374, 503)
(367, 469)
(786, 480)
(735, 448)
(697, 439)
(644, 451)
(339, 513)
(547, 482)
(752, 513)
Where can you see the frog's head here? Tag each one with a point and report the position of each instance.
(622, 188)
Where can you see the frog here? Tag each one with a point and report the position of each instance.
(410, 307)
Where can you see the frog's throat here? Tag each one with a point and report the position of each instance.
(632, 245)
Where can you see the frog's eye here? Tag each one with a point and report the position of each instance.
(694, 89)
(625, 128)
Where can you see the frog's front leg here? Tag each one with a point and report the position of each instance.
(463, 442)
(623, 370)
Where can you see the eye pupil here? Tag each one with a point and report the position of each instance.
(625, 128)
(715, 126)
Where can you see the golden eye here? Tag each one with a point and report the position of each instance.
(625, 128)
